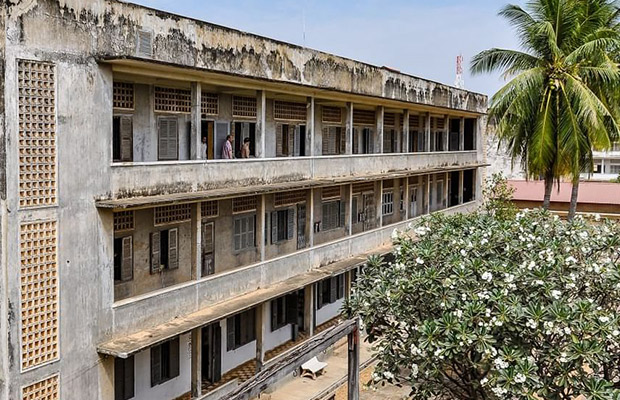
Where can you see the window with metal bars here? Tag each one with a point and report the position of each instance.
(123, 95)
(173, 100)
(244, 107)
(289, 111)
(244, 204)
(388, 202)
(331, 115)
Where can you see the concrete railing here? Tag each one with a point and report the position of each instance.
(139, 179)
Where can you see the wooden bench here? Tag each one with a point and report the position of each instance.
(312, 368)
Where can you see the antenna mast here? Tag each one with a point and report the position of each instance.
(459, 82)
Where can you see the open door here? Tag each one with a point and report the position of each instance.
(212, 353)
(221, 131)
(208, 248)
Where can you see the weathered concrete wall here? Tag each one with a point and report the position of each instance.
(328, 311)
(4, 312)
(233, 358)
(499, 158)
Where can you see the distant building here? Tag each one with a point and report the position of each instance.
(137, 262)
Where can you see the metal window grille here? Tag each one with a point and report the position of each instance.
(332, 192)
(244, 204)
(388, 202)
(123, 95)
(123, 221)
(173, 100)
(440, 123)
(37, 133)
(288, 198)
(389, 119)
(289, 111)
(364, 117)
(413, 180)
(38, 293)
(209, 209)
(414, 122)
(388, 184)
(209, 104)
(173, 214)
(46, 389)
(332, 115)
(363, 187)
(244, 107)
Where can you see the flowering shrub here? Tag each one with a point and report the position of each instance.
(483, 307)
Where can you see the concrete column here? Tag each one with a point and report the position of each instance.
(260, 226)
(311, 216)
(197, 242)
(406, 116)
(446, 134)
(196, 126)
(349, 209)
(349, 128)
(460, 187)
(462, 134)
(380, 203)
(353, 365)
(378, 145)
(406, 199)
(260, 335)
(446, 188)
(261, 124)
(310, 127)
(196, 362)
(427, 132)
(427, 194)
(309, 309)
(348, 284)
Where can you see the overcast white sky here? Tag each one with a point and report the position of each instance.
(418, 37)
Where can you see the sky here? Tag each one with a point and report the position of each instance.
(418, 37)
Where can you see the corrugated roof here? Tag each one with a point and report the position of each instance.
(589, 192)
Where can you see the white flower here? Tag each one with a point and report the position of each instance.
(388, 375)
(520, 378)
(419, 261)
(531, 324)
(500, 392)
(487, 276)
(500, 363)
(615, 332)
(463, 252)
(414, 370)
(556, 294)
(484, 381)
(395, 234)
(570, 259)
(603, 319)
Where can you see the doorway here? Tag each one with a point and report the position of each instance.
(301, 226)
(368, 200)
(212, 353)
(208, 248)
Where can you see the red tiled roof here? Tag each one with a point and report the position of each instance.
(589, 192)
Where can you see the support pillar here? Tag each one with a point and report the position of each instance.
(446, 133)
(309, 309)
(196, 123)
(427, 195)
(349, 128)
(380, 203)
(462, 134)
(196, 362)
(378, 145)
(310, 127)
(260, 335)
(460, 187)
(349, 214)
(197, 242)
(427, 132)
(261, 125)
(406, 199)
(260, 226)
(446, 189)
(406, 117)
(311, 216)
(354, 365)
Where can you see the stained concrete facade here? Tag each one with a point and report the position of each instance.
(62, 190)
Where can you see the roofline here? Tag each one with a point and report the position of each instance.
(281, 42)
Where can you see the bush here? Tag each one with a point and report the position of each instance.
(482, 307)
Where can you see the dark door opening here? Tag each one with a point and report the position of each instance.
(455, 132)
(243, 130)
(469, 186)
(470, 134)
(212, 353)
(454, 188)
(301, 226)
(207, 131)
(301, 139)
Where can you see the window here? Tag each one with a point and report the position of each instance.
(122, 138)
(333, 141)
(330, 290)
(388, 203)
(124, 378)
(240, 329)
(354, 210)
(278, 313)
(123, 259)
(282, 225)
(168, 138)
(401, 206)
(333, 215)
(243, 234)
(164, 250)
(439, 193)
(614, 169)
(164, 362)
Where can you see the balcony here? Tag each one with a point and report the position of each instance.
(155, 178)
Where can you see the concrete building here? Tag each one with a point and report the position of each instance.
(139, 264)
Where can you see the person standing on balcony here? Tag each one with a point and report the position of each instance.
(245, 150)
(227, 152)
(203, 148)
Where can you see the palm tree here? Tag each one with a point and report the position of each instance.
(559, 103)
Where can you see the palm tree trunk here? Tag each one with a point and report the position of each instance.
(548, 189)
(573, 200)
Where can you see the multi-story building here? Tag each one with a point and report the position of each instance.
(607, 163)
(137, 262)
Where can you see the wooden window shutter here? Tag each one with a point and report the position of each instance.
(128, 378)
(325, 216)
(155, 365)
(230, 333)
(297, 141)
(173, 139)
(279, 144)
(127, 259)
(155, 252)
(251, 324)
(274, 314)
(290, 149)
(290, 224)
(274, 227)
(119, 379)
(325, 141)
(343, 140)
(354, 210)
(318, 294)
(333, 290)
(126, 138)
(162, 139)
(237, 234)
(341, 210)
(173, 248)
(291, 304)
(174, 358)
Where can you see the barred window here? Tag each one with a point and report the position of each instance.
(209, 209)
(209, 103)
(331, 192)
(244, 204)
(333, 215)
(389, 119)
(414, 122)
(332, 115)
(123, 221)
(388, 202)
(244, 107)
(123, 95)
(173, 214)
(364, 117)
(363, 187)
(288, 198)
(173, 100)
(290, 111)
